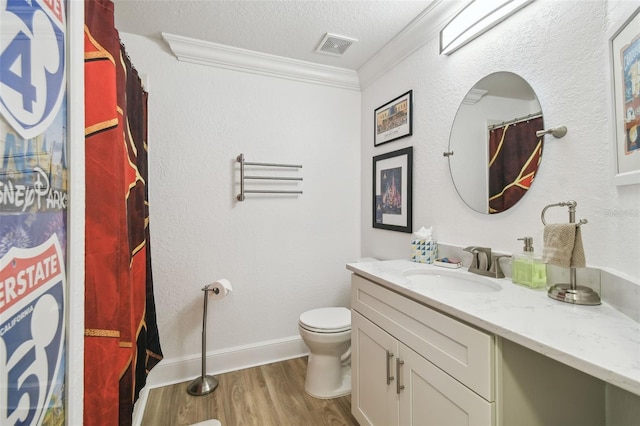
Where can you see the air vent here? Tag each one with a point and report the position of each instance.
(335, 45)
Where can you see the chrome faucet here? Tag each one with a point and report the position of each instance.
(479, 264)
(482, 262)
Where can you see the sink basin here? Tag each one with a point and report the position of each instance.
(451, 281)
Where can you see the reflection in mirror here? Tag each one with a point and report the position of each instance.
(494, 152)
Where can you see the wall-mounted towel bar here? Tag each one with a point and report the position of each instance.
(243, 177)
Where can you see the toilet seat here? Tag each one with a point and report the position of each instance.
(326, 320)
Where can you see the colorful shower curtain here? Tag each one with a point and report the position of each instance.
(514, 153)
(121, 336)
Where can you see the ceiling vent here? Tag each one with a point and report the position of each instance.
(335, 45)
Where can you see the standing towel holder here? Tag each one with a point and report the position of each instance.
(571, 293)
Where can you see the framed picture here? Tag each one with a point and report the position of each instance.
(393, 120)
(392, 193)
(624, 48)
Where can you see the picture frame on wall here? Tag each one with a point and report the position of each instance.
(392, 190)
(394, 120)
(624, 50)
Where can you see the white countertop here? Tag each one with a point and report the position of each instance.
(598, 340)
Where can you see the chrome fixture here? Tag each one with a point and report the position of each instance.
(486, 264)
(571, 293)
(572, 212)
(204, 384)
(479, 265)
(556, 132)
(495, 269)
(243, 177)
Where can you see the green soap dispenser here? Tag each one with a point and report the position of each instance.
(527, 269)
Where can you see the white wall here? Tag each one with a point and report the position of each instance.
(286, 255)
(282, 254)
(560, 48)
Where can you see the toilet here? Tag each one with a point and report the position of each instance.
(327, 334)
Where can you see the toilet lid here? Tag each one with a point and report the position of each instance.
(333, 320)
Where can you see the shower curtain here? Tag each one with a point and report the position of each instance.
(514, 153)
(121, 336)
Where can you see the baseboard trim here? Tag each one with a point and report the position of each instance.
(178, 370)
(172, 371)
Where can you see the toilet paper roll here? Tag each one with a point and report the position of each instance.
(219, 289)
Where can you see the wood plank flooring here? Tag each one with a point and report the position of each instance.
(268, 395)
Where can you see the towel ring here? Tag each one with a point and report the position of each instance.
(572, 292)
(572, 212)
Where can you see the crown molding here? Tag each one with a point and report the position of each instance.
(421, 30)
(221, 56)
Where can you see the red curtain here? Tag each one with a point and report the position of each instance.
(514, 153)
(121, 338)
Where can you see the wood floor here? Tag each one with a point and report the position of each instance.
(268, 395)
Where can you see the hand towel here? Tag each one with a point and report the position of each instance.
(563, 245)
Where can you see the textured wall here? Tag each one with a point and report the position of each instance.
(560, 48)
(283, 255)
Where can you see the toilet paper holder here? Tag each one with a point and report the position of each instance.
(205, 383)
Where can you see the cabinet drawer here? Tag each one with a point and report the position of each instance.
(465, 353)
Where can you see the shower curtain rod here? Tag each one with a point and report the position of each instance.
(516, 120)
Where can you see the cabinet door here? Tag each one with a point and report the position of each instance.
(431, 397)
(373, 386)
(462, 351)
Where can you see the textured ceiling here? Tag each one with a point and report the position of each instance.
(289, 28)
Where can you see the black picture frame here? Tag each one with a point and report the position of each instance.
(393, 190)
(393, 120)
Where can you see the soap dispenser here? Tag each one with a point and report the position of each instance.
(527, 269)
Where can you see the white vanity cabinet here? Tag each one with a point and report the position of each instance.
(504, 358)
(373, 392)
(412, 365)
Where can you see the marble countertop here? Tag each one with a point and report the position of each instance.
(598, 340)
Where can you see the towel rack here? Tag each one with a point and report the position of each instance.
(572, 212)
(571, 293)
(241, 196)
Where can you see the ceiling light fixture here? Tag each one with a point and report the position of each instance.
(474, 19)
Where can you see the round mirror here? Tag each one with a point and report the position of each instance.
(494, 152)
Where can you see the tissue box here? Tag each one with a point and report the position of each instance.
(424, 251)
